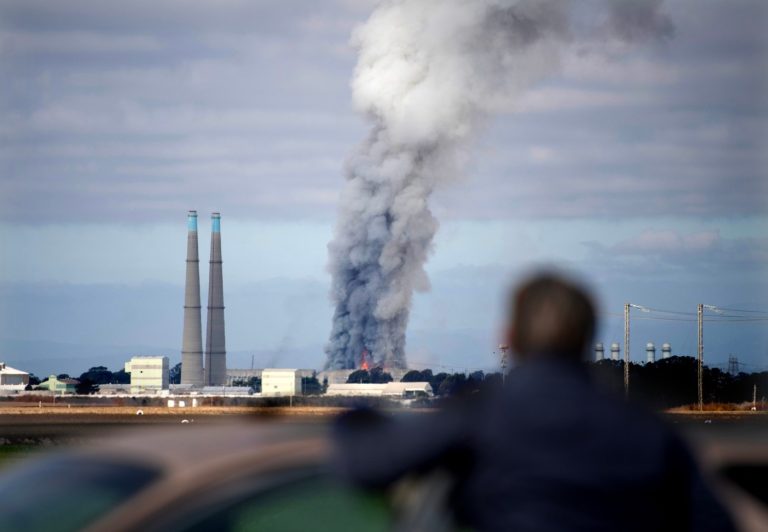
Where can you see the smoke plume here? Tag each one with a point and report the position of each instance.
(429, 73)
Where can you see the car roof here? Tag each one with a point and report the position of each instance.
(196, 460)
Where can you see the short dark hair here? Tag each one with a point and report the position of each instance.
(551, 315)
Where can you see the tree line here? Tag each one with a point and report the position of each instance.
(666, 383)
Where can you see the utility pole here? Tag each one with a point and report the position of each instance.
(700, 345)
(626, 350)
(503, 349)
(754, 397)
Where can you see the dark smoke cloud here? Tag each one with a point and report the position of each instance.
(429, 72)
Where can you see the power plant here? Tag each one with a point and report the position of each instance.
(193, 371)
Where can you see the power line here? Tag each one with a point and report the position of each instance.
(743, 310)
(712, 319)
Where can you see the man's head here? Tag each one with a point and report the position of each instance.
(550, 316)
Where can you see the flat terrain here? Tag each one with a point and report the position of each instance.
(32, 410)
(28, 427)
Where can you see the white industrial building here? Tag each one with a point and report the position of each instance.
(244, 375)
(11, 379)
(334, 376)
(405, 390)
(149, 374)
(282, 382)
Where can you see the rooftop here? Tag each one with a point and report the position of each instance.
(8, 370)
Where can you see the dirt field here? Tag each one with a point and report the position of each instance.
(32, 410)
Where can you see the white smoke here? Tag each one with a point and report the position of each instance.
(429, 73)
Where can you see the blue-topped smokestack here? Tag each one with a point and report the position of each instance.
(215, 350)
(192, 337)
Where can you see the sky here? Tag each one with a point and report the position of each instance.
(643, 172)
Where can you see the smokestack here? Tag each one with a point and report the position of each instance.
(192, 339)
(215, 351)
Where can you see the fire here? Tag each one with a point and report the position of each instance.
(364, 360)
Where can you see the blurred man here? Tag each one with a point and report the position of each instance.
(547, 452)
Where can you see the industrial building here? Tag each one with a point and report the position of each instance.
(400, 390)
(149, 374)
(56, 385)
(235, 375)
(281, 382)
(334, 376)
(241, 375)
(203, 368)
(11, 379)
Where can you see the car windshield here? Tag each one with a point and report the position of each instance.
(67, 492)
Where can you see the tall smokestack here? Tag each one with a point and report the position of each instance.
(215, 351)
(192, 339)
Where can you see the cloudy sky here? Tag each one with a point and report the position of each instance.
(646, 173)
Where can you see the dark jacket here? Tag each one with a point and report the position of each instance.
(548, 452)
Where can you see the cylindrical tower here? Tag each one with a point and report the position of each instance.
(192, 339)
(215, 351)
(650, 352)
(666, 350)
(599, 351)
(615, 351)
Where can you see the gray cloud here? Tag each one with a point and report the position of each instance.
(113, 111)
(701, 256)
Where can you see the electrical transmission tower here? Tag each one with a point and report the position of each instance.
(733, 365)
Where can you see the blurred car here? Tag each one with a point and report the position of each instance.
(233, 477)
(245, 476)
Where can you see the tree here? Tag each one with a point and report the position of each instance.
(436, 381)
(98, 375)
(360, 376)
(34, 380)
(414, 376)
(478, 376)
(310, 385)
(61, 376)
(86, 387)
(453, 384)
(121, 377)
(174, 374)
(379, 376)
